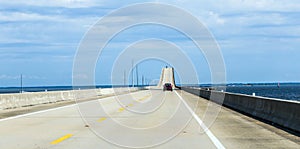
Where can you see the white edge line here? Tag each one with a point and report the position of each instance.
(214, 139)
(48, 110)
(53, 109)
(37, 112)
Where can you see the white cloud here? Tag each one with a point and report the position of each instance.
(30, 27)
(17, 77)
(52, 3)
(9, 77)
(256, 5)
(19, 16)
(25, 16)
(242, 26)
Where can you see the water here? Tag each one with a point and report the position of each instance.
(5, 90)
(288, 91)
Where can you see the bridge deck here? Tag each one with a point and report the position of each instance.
(236, 130)
(64, 128)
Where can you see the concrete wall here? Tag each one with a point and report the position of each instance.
(8, 101)
(280, 112)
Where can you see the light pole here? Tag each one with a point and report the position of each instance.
(124, 78)
(21, 83)
(132, 72)
(137, 75)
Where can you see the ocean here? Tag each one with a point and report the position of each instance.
(5, 90)
(288, 91)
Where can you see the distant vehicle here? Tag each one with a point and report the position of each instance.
(168, 87)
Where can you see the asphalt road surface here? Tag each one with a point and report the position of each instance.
(148, 118)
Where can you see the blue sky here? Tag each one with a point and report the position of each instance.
(259, 40)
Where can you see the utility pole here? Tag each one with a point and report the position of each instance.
(124, 78)
(137, 75)
(21, 83)
(132, 72)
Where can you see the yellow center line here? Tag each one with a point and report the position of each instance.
(101, 119)
(61, 139)
(145, 97)
(121, 109)
(129, 105)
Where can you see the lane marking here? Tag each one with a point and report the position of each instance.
(58, 108)
(130, 105)
(61, 139)
(101, 119)
(37, 112)
(144, 98)
(213, 138)
(121, 109)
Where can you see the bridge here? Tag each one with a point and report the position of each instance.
(134, 118)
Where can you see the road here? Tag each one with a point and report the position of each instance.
(167, 76)
(148, 118)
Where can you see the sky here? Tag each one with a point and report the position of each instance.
(259, 39)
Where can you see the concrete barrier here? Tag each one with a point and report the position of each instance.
(282, 113)
(16, 100)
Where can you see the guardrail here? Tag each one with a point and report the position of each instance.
(9, 101)
(282, 113)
